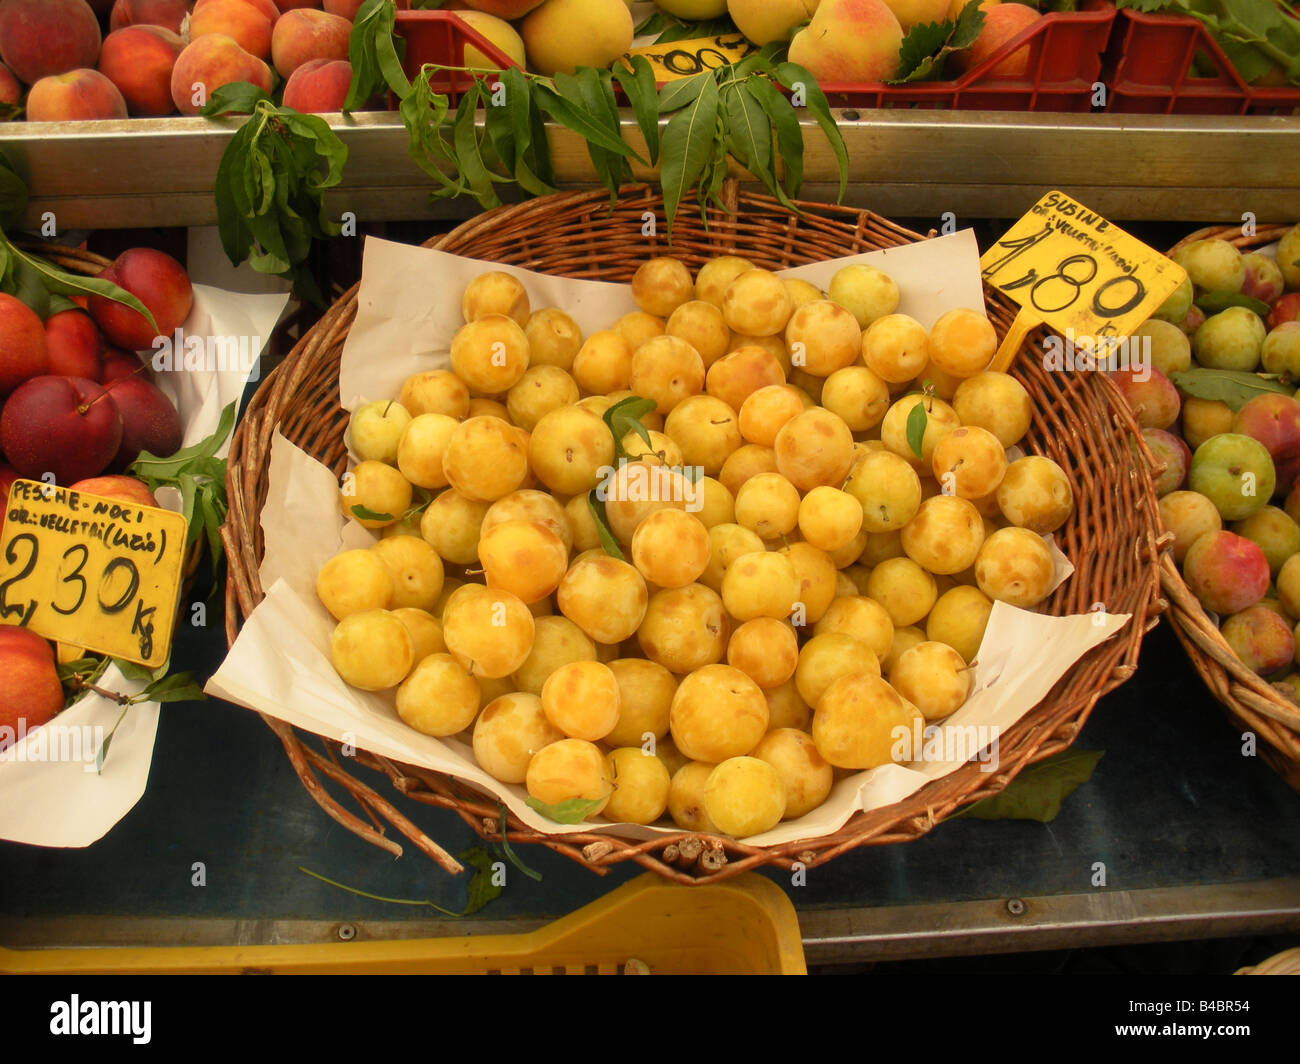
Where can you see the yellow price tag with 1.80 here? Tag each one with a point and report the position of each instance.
(1088, 279)
(96, 572)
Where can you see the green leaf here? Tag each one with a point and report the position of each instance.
(607, 541)
(82, 666)
(570, 114)
(469, 155)
(149, 466)
(594, 90)
(133, 671)
(917, 419)
(789, 136)
(239, 97)
(511, 856)
(624, 417)
(678, 94)
(377, 897)
(653, 23)
(688, 147)
(13, 194)
(102, 752)
(373, 53)
(72, 284)
(26, 284)
(570, 811)
(642, 94)
(969, 23)
(1234, 387)
(364, 513)
(178, 687)
(748, 134)
(790, 74)
(922, 42)
(1037, 792)
(681, 30)
(482, 887)
(1214, 302)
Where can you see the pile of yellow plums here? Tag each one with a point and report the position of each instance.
(701, 563)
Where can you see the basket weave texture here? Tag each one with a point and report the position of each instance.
(1251, 702)
(1080, 421)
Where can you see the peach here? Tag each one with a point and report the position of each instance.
(506, 9)
(1001, 23)
(40, 38)
(30, 692)
(245, 20)
(159, 282)
(74, 344)
(305, 34)
(77, 96)
(117, 486)
(289, 5)
(318, 86)
(210, 62)
(849, 40)
(168, 14)
(24, 350)
(139, 61)
(150, 421)
(61, 425)
(10, 90)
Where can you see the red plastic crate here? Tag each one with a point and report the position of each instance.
(441, 37)
(1065, 61)
(1151, 65)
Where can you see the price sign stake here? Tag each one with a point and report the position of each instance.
(1067, 266)
(100, 573)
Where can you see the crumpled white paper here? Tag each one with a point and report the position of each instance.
(50, 794)
(408, 310)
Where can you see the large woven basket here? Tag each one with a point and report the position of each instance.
(1251, 702)
(1080, 421)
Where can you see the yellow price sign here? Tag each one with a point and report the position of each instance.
(683, 59)
(100, 573)
(1067, 266)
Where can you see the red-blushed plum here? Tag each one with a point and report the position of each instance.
(62, 425)
(1274, 420)
(1261, 638)
(30, 692)
(1235, 472)
(1226, 572)
(1285, 309)
(1171, 452)
(1263, 278)
(1276, 533)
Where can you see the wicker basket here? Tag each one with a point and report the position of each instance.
(1251, 701)
(1079, 420)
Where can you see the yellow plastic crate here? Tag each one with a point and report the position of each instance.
(745, 925)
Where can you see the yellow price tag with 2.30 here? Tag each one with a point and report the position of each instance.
(1069, 267)
(684, 59)
(96, 572)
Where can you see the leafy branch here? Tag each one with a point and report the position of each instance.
(928, 44)
(271, 184)
(1256, 35)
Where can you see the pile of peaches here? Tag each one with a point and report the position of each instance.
(76, 401)
(1219, 409)
(99, 59)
